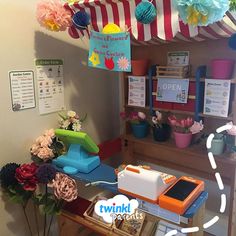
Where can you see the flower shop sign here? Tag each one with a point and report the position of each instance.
(172, 90)
(110, 51)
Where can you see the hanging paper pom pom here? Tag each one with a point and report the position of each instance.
(111, 29)
(201, 12)
(232, 5)
(145, 12)
(53, 16)
(81, 20)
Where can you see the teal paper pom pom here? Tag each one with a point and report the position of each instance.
(201, 12)
(145, 12)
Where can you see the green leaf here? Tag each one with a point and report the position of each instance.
(84, 118)
(63, 116)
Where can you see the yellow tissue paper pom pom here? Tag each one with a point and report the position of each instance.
(111, 29)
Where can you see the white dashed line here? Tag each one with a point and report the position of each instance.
(212, 160)
(220, 185)
(211, 222)
(219, 181)
(223, 203)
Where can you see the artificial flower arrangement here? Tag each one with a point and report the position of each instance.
(157, 119)
(39, 181)
(161, 131)
(21, 183)
(134, 117)
(184, 129)
(46, 147)
(138, 121)
(186, 125)
(71, 121)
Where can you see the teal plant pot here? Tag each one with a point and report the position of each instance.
(217, 144)
(140, 130)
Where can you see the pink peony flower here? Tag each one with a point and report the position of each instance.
(53, 16)
(45, 153)
(196, 127)
(50, 133)
(64, 187)
(35, 149)
(141, 115)
(44, 141)
(231, 131)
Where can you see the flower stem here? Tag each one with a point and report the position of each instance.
(45, 215)
(27, 219)
(50, 225)
(36, 219)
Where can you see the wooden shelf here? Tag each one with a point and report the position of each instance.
(191, 78)
(136, 107)
(193, 160)
(229, 118)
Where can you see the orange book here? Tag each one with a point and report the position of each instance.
(181, 194)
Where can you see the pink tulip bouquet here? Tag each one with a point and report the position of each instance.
(186, 125)
(134, 117)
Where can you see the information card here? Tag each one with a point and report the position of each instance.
(50, 85)
(216, 100)
(137, 91)
(22, 90)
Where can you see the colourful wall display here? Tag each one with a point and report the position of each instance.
(172, 90)
(110, 51)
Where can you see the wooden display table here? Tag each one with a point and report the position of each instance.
(192, 160)
(72, 219)
(75, 211)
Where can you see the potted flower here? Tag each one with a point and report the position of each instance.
(161, 131)
(184, 129)
(138, 122)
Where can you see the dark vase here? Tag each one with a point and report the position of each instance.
(161, 134)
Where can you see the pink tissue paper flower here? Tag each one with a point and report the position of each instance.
(231, 131)
(141, 115)
(53, 16)
(196, 127)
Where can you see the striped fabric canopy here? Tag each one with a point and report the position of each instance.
(166, 27)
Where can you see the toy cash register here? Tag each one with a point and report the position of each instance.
(181, 194)
(78, 157)
(144, 183)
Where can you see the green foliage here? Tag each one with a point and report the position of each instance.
(18, 195)
(232, 5)
(50, 205)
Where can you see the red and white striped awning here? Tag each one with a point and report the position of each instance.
(166, 27)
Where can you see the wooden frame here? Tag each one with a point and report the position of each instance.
(192, 160)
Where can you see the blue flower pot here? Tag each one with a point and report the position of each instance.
(140, 130)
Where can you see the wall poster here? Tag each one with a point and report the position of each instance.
(50, 85)
(22, 90)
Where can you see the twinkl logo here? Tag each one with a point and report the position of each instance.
(115, 209)
(117, 206)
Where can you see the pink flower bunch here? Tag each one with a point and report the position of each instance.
(41, 148)
(53, 16)
(231, 131)
(185, 125)
(133, 117)
(64, 187)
